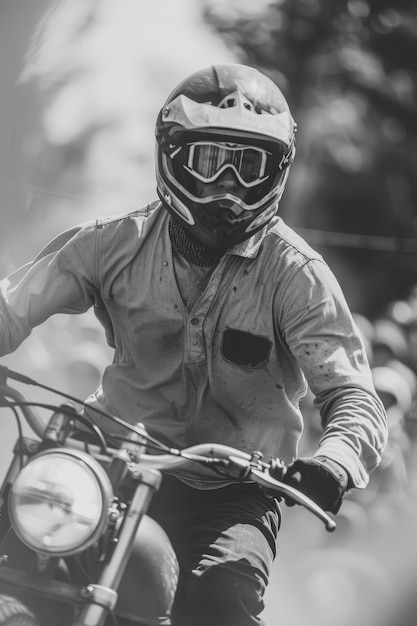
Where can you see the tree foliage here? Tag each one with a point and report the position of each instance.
(349, 70)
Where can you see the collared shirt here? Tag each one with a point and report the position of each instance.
(231, 366)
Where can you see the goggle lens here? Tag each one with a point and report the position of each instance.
(207, 160)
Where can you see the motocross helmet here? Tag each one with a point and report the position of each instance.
(224, 118)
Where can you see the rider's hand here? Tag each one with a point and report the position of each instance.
(320, 478)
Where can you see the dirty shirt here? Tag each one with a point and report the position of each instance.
(210, 355)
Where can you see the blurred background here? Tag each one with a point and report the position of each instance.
(81, 83)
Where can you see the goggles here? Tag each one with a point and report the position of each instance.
(206, 161)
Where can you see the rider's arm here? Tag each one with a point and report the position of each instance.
(322, 335)
(60, 280)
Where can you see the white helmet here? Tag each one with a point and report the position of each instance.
(224, 118)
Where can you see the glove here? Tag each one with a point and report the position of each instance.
(321, 479)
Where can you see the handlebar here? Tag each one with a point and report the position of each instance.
(239, 465)
(32, 417)
(231, 462)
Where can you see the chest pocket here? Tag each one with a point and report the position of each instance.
(245, 349)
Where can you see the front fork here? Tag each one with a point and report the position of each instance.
(101, 597)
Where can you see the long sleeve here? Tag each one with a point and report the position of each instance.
(60, 280)
(321, 334)
(354, 431)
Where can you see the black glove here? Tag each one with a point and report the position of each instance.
(320, 478)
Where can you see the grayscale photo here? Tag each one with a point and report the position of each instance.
(208, 313)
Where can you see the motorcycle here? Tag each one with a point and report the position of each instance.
(76, 543)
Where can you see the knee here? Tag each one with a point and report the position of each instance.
(219, 597)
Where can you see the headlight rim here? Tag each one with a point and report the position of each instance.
(106, 492)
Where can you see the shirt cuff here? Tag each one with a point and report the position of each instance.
(343, 454)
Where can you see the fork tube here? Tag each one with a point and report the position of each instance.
(95, 611)
(24, 448)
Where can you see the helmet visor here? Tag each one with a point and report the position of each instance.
(206, 161)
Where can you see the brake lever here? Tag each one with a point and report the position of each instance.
(297, 496)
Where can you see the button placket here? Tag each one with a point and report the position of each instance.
(195, 338)
(198, 318)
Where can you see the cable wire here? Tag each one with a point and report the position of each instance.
(5, 373)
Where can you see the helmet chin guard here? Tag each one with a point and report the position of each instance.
(224, 118)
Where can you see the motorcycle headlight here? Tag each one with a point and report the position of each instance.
(59, 501)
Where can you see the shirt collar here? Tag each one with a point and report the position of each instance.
(250, 247)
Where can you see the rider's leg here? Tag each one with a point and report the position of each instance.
(225, 540)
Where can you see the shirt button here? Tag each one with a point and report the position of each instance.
(194, 321)
(200, 291)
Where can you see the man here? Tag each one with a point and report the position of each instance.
(218, 314)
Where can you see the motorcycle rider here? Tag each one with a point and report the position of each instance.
(219, 315)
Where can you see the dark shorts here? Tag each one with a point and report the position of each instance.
(225, 541)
